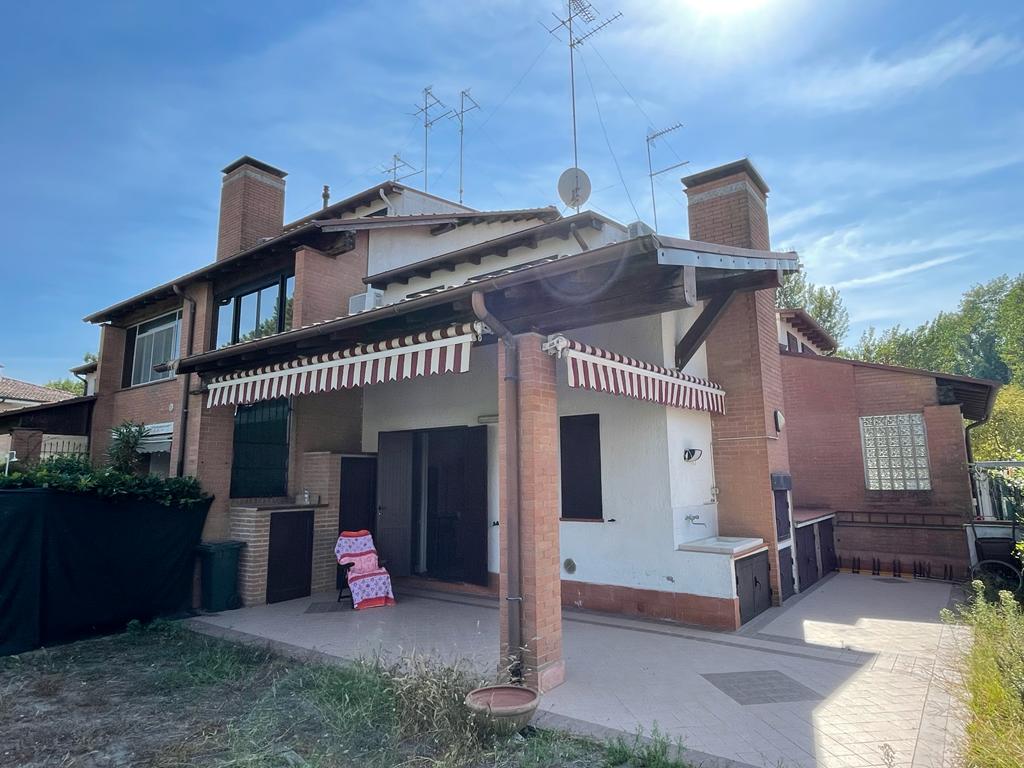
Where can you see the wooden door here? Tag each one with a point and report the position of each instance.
(806, 557)
(357, 509)
(752, 586)
(394, 501)
(827, 542)
(782, 525)
(786, 572)
(290, 555)
(473, 530)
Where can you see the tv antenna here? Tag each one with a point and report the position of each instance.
(398, 169)
(460, 116)
(429, 110)
(581, 23)
(653, 136)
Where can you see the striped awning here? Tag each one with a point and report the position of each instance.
(603, 371)
(444, 350)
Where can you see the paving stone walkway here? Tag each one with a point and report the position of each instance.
(855, 673)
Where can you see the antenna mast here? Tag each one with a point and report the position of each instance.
(652, 136)
(460, 115)
(584, 16)
(398, 169)
(430, 102)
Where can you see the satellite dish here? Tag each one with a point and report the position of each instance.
(574, 187)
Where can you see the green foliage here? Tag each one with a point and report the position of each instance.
(971, 341)
(74, 386)
(1010, 329)
(994, 678)
(1001, 438)
(76, 475)
(822, 303)
(123, 453)
(656, 751)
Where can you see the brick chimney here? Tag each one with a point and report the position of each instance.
(251, 205)
(727, 205)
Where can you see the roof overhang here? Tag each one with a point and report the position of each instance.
(633, 278)
(809, 327)
(66, 417)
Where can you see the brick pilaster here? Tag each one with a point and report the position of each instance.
(541, 608)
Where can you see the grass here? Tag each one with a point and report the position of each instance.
(164, 696)
(994, 680)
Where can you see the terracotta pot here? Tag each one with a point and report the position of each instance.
(506, 709)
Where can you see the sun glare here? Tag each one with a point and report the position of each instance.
(723, 8)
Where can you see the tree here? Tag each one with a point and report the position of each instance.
(822, 303)
(74, 386)
(1010, 329)
(1001, 438)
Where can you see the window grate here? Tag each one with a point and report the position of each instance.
(895, 450)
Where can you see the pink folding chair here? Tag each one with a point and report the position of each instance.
(367, 580)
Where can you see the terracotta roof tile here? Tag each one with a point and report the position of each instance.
(13, 389)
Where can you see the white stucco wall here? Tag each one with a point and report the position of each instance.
(785, 328)
(647, 488)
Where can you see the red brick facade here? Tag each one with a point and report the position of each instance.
(825, 398)
(743, 357)
(251, 206)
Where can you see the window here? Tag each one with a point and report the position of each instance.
(580, 446)
(148, 344)
(256, 312)
(259, 466)
(895, 452)
(791, 342)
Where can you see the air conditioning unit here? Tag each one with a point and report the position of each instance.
(639, 229)
(362, 302)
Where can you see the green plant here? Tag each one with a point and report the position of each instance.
(654, 751)
(994, 679)
(76, 475)
(123, 453)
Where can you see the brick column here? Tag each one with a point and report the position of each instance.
(252, 526)
(538, 514)
(321, 475)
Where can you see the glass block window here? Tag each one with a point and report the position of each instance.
(895, 452)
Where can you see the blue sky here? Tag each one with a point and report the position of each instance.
(891, 134)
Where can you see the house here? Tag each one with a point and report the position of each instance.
(552, 409)
(16, 395)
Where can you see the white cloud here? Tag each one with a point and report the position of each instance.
(891, 274)
(874, 80)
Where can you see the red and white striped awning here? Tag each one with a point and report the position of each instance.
(597, 369)
(445, 350)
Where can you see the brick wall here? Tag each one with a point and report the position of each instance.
(324, 284)
(327, 421)
(728, 206)
(825, 398)
(251, 206)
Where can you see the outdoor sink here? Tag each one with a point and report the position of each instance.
(723, 545)
(505, 708)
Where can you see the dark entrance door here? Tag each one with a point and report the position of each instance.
(394, 501)
(456, 504)
(806, 557)
(827, 541)
(782, 514)
(289, 555)
(752, 586)
(358, 504)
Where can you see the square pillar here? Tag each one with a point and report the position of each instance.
(540, 576)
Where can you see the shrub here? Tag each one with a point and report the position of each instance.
(994, 680)
(76, 475)
(123, 453)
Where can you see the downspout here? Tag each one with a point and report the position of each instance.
(970, 447)
(180, 459)
(512, 548)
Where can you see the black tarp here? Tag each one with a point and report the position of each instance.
(73, 565)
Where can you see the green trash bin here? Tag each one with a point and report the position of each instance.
(219, 566)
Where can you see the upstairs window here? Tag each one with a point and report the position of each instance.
(895, 452)
(148, 344)
(257, 311)
(580, 448)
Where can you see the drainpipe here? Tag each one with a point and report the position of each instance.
(511, 409)
(180, 459)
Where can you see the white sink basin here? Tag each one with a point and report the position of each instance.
(725, 545)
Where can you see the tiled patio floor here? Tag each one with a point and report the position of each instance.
(841, 675)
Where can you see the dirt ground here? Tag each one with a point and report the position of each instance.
(163, 696)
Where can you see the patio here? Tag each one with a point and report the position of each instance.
(852, 669)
